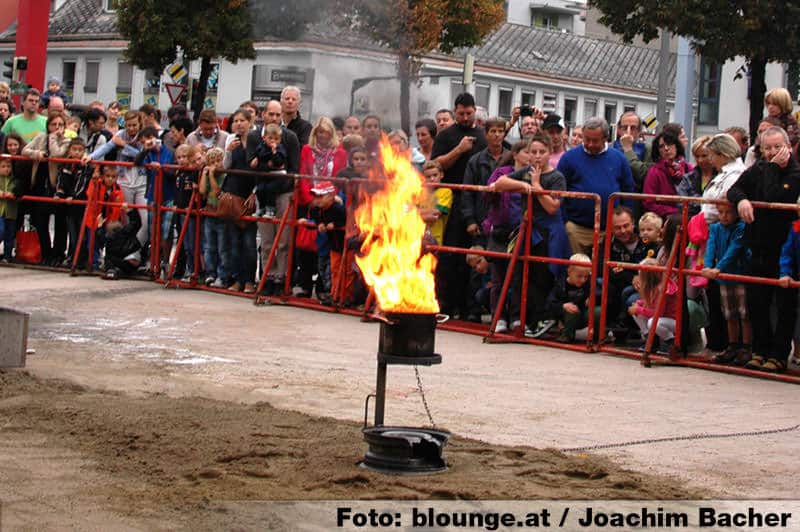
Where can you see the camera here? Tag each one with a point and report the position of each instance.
(526, 110)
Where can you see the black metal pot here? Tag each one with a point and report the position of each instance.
(408, 339)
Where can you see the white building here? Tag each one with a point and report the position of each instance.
(557, 69)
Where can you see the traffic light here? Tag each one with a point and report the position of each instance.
(9, 73)
(17, 65)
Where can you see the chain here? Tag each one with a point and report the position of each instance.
(702, 436)
(424, 400)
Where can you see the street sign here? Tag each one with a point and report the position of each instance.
(176, 71)
(650, 122)
(175, 91)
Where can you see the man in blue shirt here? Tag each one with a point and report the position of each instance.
(592, 167)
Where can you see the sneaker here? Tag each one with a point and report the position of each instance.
(665, 347)
(501, 327)
(249, 288)
(728, 356)
(515, 324)
(210, 280)
(187, 278)
(235, 287)
(541, 328)
(564, 339)
(218, 283)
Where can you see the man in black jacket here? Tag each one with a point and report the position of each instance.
(774, 179)
(290, 106)
(275, 203)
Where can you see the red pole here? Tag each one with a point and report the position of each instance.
(593, 287)
(662, 298)
(272, 252)
(87, 213)
(287, 288)
(606, 268)
(179, 244)
(507, 282)
(155, 232)
(197, 239)
(90, 260)
(33, 20)
(681, 277)
(526, 267)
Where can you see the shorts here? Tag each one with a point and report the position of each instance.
(734, 300)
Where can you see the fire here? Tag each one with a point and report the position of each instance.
(391, 258)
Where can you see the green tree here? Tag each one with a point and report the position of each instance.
(157, 29)
(414, 28)
(761, 31)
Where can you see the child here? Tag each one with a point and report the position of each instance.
(436, 206)
(213, 228)
(270, 155)
(726, 253)
(569, 299)
(8, 209)
(122, 247)
(72, 183)
(53, 89)
(650, 232)
(72, 128)
(479, 292)
(327, 210)
(5, 96)
(649, 285)
(790, 271)
(106, 190)
(185, 186)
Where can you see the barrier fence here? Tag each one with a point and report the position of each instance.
(288, 221)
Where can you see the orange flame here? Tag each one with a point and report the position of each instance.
(391, 258)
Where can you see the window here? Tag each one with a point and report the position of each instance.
(570, 110)
(124, 77)
(482, 95)
(589, 109)
(708, 109)
(110, 6)
(528, 98)
(504, 104)
(629, 107)
(549, 102)
(456, 88)
(152, 82)
(92, 75)
(610, 113)
(68, 75)
(540, 19)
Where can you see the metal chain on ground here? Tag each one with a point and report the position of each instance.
(702, 436)
(424, 400)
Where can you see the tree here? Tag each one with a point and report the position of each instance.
(157, 29)
(413, 28)
(761, 31)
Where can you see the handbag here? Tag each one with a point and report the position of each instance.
(306, 239)
(28, 248)
(231, 207)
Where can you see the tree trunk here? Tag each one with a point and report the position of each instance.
(404, 68)
(758, 88)
(199, 95)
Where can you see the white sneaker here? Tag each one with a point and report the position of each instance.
(501, 327)
(187, 278)
(515, 324)
(218, 283)
(541, 328)
(209, 281)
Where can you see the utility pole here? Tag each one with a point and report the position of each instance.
(684, 87)
(663, 80)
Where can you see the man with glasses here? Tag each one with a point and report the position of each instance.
(629, 130)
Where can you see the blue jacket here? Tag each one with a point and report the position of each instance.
(602, 174)
(161, 155)
(725, 249)
(790, 254)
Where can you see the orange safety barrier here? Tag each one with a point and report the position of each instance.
(289, 222)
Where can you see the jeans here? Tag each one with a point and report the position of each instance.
(268, 231)
(241, 244)
(8, 227)
(188, 243)
(74, 221)
(215, 252)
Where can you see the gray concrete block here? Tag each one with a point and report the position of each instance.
(13, 338)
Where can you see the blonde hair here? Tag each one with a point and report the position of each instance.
(325, 124)
(781, 98)
(649, 281)
(580, 257)
(185, 149)
(273, 130)
(473, 258)
(215, 154)
(651, 218)
(352, 141)
(4, 85)
(432, 164)
(700, 143)
(399, 133)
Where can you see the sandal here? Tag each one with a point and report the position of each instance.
(755, 362)
(773, 365)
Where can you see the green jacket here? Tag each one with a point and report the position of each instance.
(8, 208)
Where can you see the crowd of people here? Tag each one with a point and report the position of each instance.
(531, 154)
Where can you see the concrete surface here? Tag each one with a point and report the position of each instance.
(138, 337)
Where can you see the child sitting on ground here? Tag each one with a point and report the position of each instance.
(649, 286)
(8, 209)
(569, 302)
(437, 203)
(726, 253)
(123, 250)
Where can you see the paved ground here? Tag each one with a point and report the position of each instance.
(138, 337)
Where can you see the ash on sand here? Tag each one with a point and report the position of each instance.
(178, 459)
